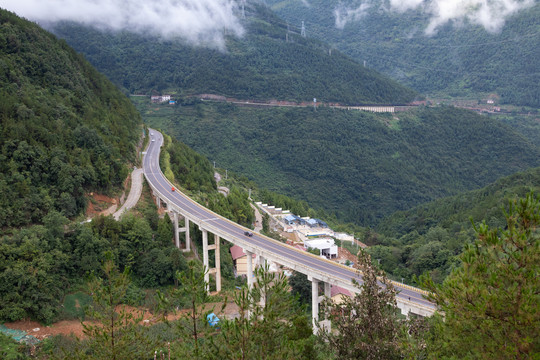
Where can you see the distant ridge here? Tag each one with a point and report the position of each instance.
(267, 63)
(458, 61)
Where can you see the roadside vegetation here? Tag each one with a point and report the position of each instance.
(65, 129)
(357, 166)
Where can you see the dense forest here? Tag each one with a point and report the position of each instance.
(461, 59)
(358, 165)
(429, 237)
(62, 254)
(261, 65)
(65, 129)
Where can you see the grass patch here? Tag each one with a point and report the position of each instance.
(74, 305)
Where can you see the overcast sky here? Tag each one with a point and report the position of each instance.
(197, 21)
(491, 14)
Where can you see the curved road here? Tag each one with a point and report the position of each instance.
(134, 193)
(231, 231)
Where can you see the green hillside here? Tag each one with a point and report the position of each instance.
(65, 129)
(359, 165)
(261, 65)
(428, 237)
(458, 61)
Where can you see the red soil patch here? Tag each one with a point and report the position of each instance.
(65, 327)
(68, 327)
(100, 204)
(346, 255)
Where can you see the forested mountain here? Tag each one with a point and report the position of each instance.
(428, 237)
(65, 129)
(267, 63)
(460, 59)
(361, 166)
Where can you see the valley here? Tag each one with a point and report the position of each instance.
(424, 149)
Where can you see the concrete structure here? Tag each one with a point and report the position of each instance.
(326, 246)
(337, 294)
(376, 109)
(317, 269)
(240, 260)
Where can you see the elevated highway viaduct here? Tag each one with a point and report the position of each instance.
(318, 270)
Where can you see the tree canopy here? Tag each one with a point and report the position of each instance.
(266, 63)
(65, 130)
(460, 59)
(490, 302)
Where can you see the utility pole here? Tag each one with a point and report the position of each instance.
(243, 10)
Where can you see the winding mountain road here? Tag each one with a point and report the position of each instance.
(134, 193)
(336, 274)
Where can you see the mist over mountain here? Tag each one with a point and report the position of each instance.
(200, 22)
(491, 15)
(268, 62)
(459, 49)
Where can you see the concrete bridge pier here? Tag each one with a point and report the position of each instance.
(249, 269)
(158, 200)
(263, 263)
(185, 230)
(315, 301)
(178, 230)
(217, 269)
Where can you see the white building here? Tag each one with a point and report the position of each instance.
(326, 246)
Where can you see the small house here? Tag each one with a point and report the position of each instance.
(337, 294)
(239, 258)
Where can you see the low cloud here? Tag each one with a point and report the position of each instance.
(343, 14)
(491, 14)
(196, 21)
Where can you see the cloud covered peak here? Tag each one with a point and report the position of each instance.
(491, 14)
(196, 21)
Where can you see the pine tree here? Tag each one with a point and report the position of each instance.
(366, 326)
(114, 332)
(490, 303)
(268, 325)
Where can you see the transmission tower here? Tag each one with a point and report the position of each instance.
(303, 31)
(243, 10)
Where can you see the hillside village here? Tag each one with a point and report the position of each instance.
(446, 198)
(303, 233)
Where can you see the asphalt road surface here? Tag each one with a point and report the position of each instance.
(134, 193)
(301, 259)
